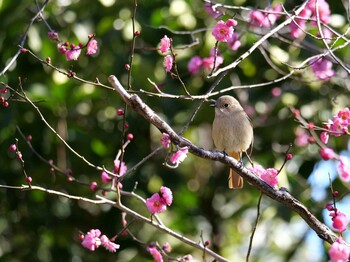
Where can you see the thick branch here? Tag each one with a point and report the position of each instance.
(281, 195)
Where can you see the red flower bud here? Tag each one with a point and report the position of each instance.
(12, 148)
(311, 125)
(130, 136)
(311, 140)
(93, 186)
(296, 112)
(289, 157)
(19, 155)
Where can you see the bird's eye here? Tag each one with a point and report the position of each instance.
(225, 105)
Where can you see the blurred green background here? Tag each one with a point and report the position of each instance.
(35, 226)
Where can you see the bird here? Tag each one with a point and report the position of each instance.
(232, 133)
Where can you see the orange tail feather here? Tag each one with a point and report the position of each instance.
(235, 181)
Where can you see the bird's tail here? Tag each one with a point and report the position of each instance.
(235, 181)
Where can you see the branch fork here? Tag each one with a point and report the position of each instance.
(281, 195)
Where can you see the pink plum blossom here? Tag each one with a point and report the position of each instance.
(53, 35)
(224, 30)
(273, 15)
(166, 247)
(212, 10)
(298, 26)
(231, 22)
(339, 251)
(179, 155)
(335, 126)
(62, 48)
(302, 137)
(344, 119)
(340, 221)
(105, 177)
(324, 137)
(92, 47)
(165, 140)
(264, 19)
(327, 153)
(323, 10)
(233, 42)
(194, 65)
(73, 53)
(109, 245)
(327, 34)
(208, 62)
(91, 240)
(270, 176)
(344, 169)
(258, 19)
(122, 167)
(257, 169)
(167, 195)
(168, 63)
(155, 204)
(165, 44)
(157, 256)
(322, 68)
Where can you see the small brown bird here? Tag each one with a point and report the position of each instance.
(232, 133)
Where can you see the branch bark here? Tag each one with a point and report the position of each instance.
(281, 195)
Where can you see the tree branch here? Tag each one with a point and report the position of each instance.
(127, 210)
(281, 195)
(260, 41)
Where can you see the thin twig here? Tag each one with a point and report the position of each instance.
(255, 227)
(56, 134)
(24, 38)
(177, 72)
(259, 42)
(325, 41)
